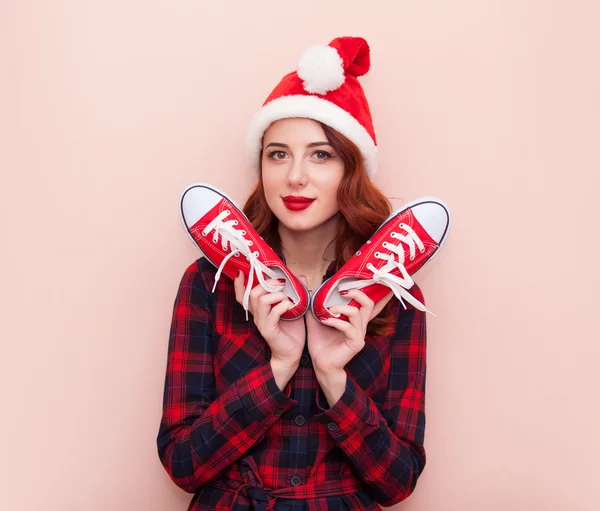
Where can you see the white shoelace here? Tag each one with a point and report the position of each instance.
(230, 236)
(384, 276)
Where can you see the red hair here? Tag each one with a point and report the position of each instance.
(363, 208)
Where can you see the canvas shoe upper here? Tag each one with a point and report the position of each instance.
(227, 239)
(407, 239)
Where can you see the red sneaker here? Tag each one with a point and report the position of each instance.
(389, 258)
(227, 239)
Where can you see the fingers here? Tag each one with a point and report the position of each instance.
(368, 308)
(352, 313)
(260, 300)
(276, 311)
(258, 291)
(366, 304)
(263, 303)
(367, 311)
(346, 310)
(343, 326)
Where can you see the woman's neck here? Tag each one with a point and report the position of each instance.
(309, 253)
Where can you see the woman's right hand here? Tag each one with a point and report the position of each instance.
(285, 338)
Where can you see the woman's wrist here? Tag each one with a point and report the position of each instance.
(283, 371)
(333, 383)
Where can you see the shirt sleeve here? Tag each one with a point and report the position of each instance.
(202, 433)
(385, 446)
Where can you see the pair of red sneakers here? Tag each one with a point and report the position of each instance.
(403, 243)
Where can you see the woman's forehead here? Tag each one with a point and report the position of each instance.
(295, 130)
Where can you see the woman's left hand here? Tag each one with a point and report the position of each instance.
(333, 343)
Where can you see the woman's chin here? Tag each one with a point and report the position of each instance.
(298, 225)
(296, 221)
(300, 221)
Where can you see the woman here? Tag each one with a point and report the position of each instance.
(301, 414)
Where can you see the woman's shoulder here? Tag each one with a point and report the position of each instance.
(416, 291)
(200, 273)
(404, 320)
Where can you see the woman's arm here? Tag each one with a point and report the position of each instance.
(202, 433)
(384, 447)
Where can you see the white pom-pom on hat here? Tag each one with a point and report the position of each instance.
(321, 69)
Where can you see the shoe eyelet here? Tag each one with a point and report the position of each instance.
(236, 254)
(422, 251)
(250, 242)
(358, 253)
(368, 242)
(402, 224)
(256, 253)
(377, 254)
(227, 211)
(243, 232)
(235, 222)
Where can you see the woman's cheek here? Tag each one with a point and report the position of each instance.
(268, 183)
(272, 202)
(331, 187)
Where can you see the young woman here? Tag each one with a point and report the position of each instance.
(301, 414)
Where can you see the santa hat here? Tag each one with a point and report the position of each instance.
(325, 88)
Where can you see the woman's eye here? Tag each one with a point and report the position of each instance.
(277, 155)
(322, 155)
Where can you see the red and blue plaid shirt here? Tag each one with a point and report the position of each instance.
(229, 435)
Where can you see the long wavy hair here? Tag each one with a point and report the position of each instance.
(362, 209)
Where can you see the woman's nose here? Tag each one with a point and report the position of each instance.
(297, 173)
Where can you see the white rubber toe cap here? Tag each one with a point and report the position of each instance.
(434, 216)
(196, 201)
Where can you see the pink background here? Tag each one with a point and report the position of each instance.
(110, 108)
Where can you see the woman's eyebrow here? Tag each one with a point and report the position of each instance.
(312, 144)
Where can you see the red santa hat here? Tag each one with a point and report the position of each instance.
(325, 88)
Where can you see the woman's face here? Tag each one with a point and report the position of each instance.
(301, 173)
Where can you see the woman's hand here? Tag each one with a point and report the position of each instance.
(333, 343)
(285, 338)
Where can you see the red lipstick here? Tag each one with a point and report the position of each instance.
(297, 202)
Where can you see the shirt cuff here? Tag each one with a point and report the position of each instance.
(351, 412)
(261, 396)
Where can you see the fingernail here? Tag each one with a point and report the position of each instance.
(343, 292)
(282, 281)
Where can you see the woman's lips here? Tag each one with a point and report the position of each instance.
(297, 203)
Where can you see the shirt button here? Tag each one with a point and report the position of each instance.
(332, 426)
(304, 359)
(299, 420)
(295, 481)
(278, 412)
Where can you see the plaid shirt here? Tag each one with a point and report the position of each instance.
(229, 435)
